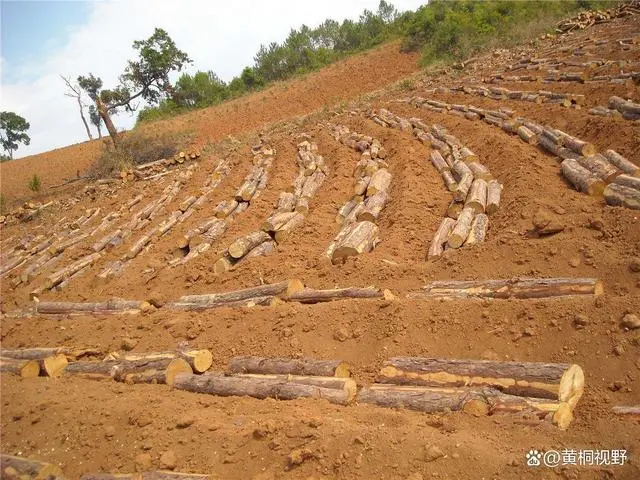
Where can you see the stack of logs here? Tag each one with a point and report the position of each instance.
(288, 215)
(618, 107)
(500, 93)
(372, 180)
(475, 193)
(200, 238)
(158, 168)
(535, 391)
(589, 18)
(595, 174)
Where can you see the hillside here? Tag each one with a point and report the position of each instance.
(519, 120)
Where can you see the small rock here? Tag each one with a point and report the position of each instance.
(157, 302)
(618, 350)
(298, 456)
(185, 422)
(630, 321)
(140, 420)
(143, 462)
(341, 334)
(574, 262)
(617, 385)
(529, 332)
(128, 344)
(433, 452)
(634, 264)
(168, 460)
(580, 321)
(545, 224)
(109, 431)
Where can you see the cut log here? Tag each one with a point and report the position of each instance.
(289, 366)
(379, 182)
(286, 202)
(575, 144)
(285, 230)
(478, 231)
(278, 220)
(600, 167)
(633, 410)
(449, 181)
(194, 302)
(60, 247)
(280, 387)
(41, 353)
(243, 245)
(581, 178)
(494, 192)
(361, 237)
(106, 241)
(477, 196)
(312, 183)
(332, 382)
(114, 306)
(19, 468)
(199, 360)
(622, 163)
(517, 287)
(527, 135)
(198, 230)
(345, 210)
(310, 295)
(557, 381)
(360, 187)
(462, 228)
(464, 176)
(225, 208)
(474, 401)
(620, 195)
(438, 162)
(225, 263)
(59, 276)
(441, 237)
(373, 206)
(248, 189)
(162, 370)
(22, 368)
(264, 249)
(628, 181)
(479, 171)
(54, 365)
(454, 209)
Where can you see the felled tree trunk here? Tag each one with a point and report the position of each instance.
(155, 475)
(161, 370)
(285, 230)
(628, 181)
(600, 167)
(361, 237)
(110, 307)
(243, 245)
(622, 163)
(263, 249)
(556, 381)
(373, 206)
(379, 182)
(633, 410)
(26, 467)
(581, 178)
(477, 196)
(309, 295)
(289, 366)
(441, 237)
(462, 228)
(517, 287)
(620, 195)
(199, 360)
(59, 276)
(464, 178)
(22, 368)
(281, 387)
(478, 231)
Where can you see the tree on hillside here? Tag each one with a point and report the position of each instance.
(94, 116)
(13, 130)
(75, 92)
(147, 77)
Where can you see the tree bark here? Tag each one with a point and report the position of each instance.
(517, 287)
(477, 197)
(276, 221)
(40, 353)
(104, 114)
(462, 228)
(280, 387)
(285, 230)
(632, 410)
(557, 381)
(464, 178)
(599, 166)
(310, 295)
(199, 230)
(441, 237)
(620, 195)
(527, 135)
(289, 366)
(263, 249)
(373, 206)
(225, 208)
(161, 370)
(379, 182)
(115, 306)
(84, 120)
(243, 245)
(622, 163)
(478, 231)
(479, 171)
(286, 202)
(22, 368)
(361, 237)
(199, 360)
(28, 468)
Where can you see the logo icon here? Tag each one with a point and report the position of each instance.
(552, 458)
(533, 458)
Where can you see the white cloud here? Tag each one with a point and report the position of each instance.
(218, 36)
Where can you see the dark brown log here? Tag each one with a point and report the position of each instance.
(478, 231)
(114, 306)
(441, 237)
(19, 468)
(243, 245)
(632, 410)
(310, 295)
(477, 196)
(517, 287)
(373, 206)
(285, 230)
(622, 163)
(379, 182)
(196, 302)
(361, 237)
(199, 360)
(462, 228)
(280, 387)
(289, 366)
(557, 381)
(600, 167)
(581, 178)
(620, 195)
(22, 368)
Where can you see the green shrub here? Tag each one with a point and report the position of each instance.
(34, 183)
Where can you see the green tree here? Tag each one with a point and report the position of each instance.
(13, 130)
(94, 116)
(147, 78)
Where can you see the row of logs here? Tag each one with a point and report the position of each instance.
(371, 193)
(595, 174)
(157, 168)
(580, 77)
(619, 107)
(589, 18)
(201, 237)
(289, 212)
(500, 93)
(475, 193)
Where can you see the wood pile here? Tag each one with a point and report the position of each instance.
(542, 391)
(589, 18)
(585, 169)
(475, 194)
(157, 168)
(568, 100)
(289, 212)
(371, 193)
(201, 237)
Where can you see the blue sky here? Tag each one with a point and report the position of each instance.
(44, 39)
(30, 30)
